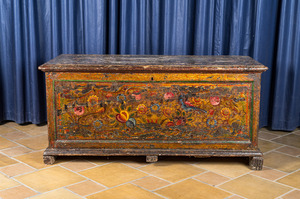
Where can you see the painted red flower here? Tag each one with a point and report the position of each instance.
(215, 100)
(122, 117)
(79, 110)
(137, 96)
(211, 111)
(170, 124)
(142, 109)
(92, 100)
(179, 122)
(169, 95)
(189, 103)
(167, 112)
(225, 112)
(108, 95)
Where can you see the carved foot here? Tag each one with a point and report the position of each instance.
(49, 159)
(151, 158)
(256, 163)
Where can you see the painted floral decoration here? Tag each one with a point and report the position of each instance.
(215, 100)
(169, 95)
(79, 110)
(225, 112)
(122, 117)
(142, 109)
(92, 100)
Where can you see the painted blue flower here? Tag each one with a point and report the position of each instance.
(131, 122)
(209, 123)
(121, 97)
(154, 107)
(97, 124)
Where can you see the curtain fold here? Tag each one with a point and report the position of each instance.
(33, 32)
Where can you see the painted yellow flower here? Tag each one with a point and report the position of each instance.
(196, 100)
(122, 117)
(225, 112)
(92, 100)
(142, 108)
(167, 111)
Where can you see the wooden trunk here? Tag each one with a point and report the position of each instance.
(151, 105)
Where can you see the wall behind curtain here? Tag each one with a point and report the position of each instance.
(35, 31)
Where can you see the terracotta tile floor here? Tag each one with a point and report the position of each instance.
(24, 175)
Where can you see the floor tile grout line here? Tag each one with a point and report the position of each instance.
(23, 130)
(32, 151)
(51, 191)
(38, 169)
(285, 154)
(278, 136)
(128, 164)
(20, 174)
(18, 162)
(17, 130)
(105, 187)
(17, 143)
(129, 182)
(10, 188)
(268, 178)
(84, 177)
(274, 182)
(149, 174)
(82, 169)
(207, 183)
(238, 196)
(270, 141)
(160, 177)
(173, 183)
(288, 174)
(27, 186)
(257, 177)
(288, 192)
(73, 192)
(273, 141)
(291, 146)
(271, 134)
(296, 156)
(95, 166)
(199, 174)
(152, 191)
(2, 150)
(88, 180)
(248, 173)
(229, 179)
(232, 178)
(216, 187)
(89, 160)
(275, 150)
(270, 131)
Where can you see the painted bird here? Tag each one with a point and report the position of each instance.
(187, 106)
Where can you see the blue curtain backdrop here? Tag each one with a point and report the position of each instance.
(35, 31)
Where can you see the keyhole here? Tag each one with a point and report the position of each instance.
(151, 78)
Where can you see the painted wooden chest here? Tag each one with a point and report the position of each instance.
(151, 105)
